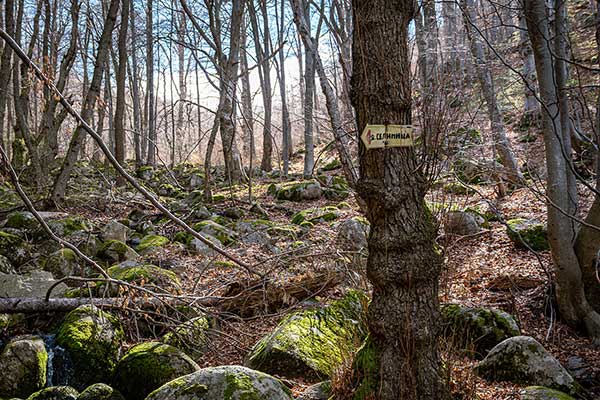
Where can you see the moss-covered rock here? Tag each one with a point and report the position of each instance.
(524, 360)
(336, 188)
(477, 330)
(23, 363)
(145, 172)
(69, 226)
(100, 391)
(147, 275)
(543, 393)
(223, 383)
(55, 393)
(93, 339)
(150, 242)
(316, 215)
(528, 234)
(191, 337)
(34, 284)
(365, 371)
(320, 391)
(332, 164)
(223, 234)
(115, 251)
(352, 233)
(312, 343)
(148, 366)
(62, 263)
(297, 191)
(6, 266)
(21, 220)
(13, 247)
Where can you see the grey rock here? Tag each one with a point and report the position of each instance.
(199, 247)
(55, 393)
(522, 359)
(543, 393)
(462, 223)
(23, 363)
(226, 382)
(6, 266)
(34, 284)
(352, 234)
(115, 230)
(320, 391)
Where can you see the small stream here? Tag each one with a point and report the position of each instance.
(60, 367)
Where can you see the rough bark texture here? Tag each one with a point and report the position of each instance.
(572, 303)
(150, 112)
(403, 265)
(121, 75)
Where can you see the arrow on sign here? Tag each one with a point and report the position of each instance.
(382, 136)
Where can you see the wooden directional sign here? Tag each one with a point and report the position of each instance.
(381, 136)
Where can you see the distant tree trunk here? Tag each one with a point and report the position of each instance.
(150, 109)
(501, 143)
(309, 95)
(60, 185)
(572, 303)
(286, 126)
(120, 144)
(229, 87)
(531, 109)
(248, 148)
(181, 62)
(5, 67)
(402, 265)
(133, 72)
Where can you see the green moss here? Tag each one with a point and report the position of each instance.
(365, 369)
(21, 220)
(294, 191)
(541, 392)
(115, 250)
(241, 386)
(316, 215)
(148, 366)
(151, 241)
(225, 235)
(100, 391)
(93, 339)
(55, 393)
(217, 198)
(528, 234)
(191, 337)
(147, 274)
(312, 343)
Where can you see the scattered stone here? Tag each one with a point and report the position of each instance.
(528, 234)
(543, 393)
(320, 391)
(297, 191)
(6, 266)
(115, 230)
(312, 343)
(352, 234)
(226, 382)
(191, 337)
(148, 366)
(100, 391)
(62, 263)
(21, 220)
(148, 275)
(523, 360)
(68, 226)
(115, 251)
(15, 248)
(233, 213)
(316, 215)
(477, 330)
(151, 242)
(23, 363)
(196, 181)
(34, 284)
(55, 393)
(224, 235)
(93, 339)
(336, 188)
(201, 213)
(462, 223)
(199, 247)
(145, 173)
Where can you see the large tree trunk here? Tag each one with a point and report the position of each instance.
(60, 185)
(501, 144)
(403, 265)
(5, 67)
(572, 303)
(286, 126)
(150, 107)
(121, 76)
(531, 107)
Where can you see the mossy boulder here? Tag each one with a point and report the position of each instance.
(332, 164)
(69, 226)
(6, 266)
(320, 391)
(223, 383)
(191, 337)
(312, 343)
(23, 363)
(477, 330)
(352, 233)
(115, 230)
(150, 242)
(34, 284)
(543, 393)
(223, 234)
(523, 360)
(115, 251)
(336, 188)
(316, 215)
(148, 366)
(93, 339)
(55, 393)
(297, 191)
(528, 234)
(100, 391)
(21, 220)
(145, 172)
(62, 263)
(147, 275)
(13, 247)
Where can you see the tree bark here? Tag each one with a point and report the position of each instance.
(60, 185)
(121, 77)
(248, 148)
(402, 265)
(150, 107)
(570, 296)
